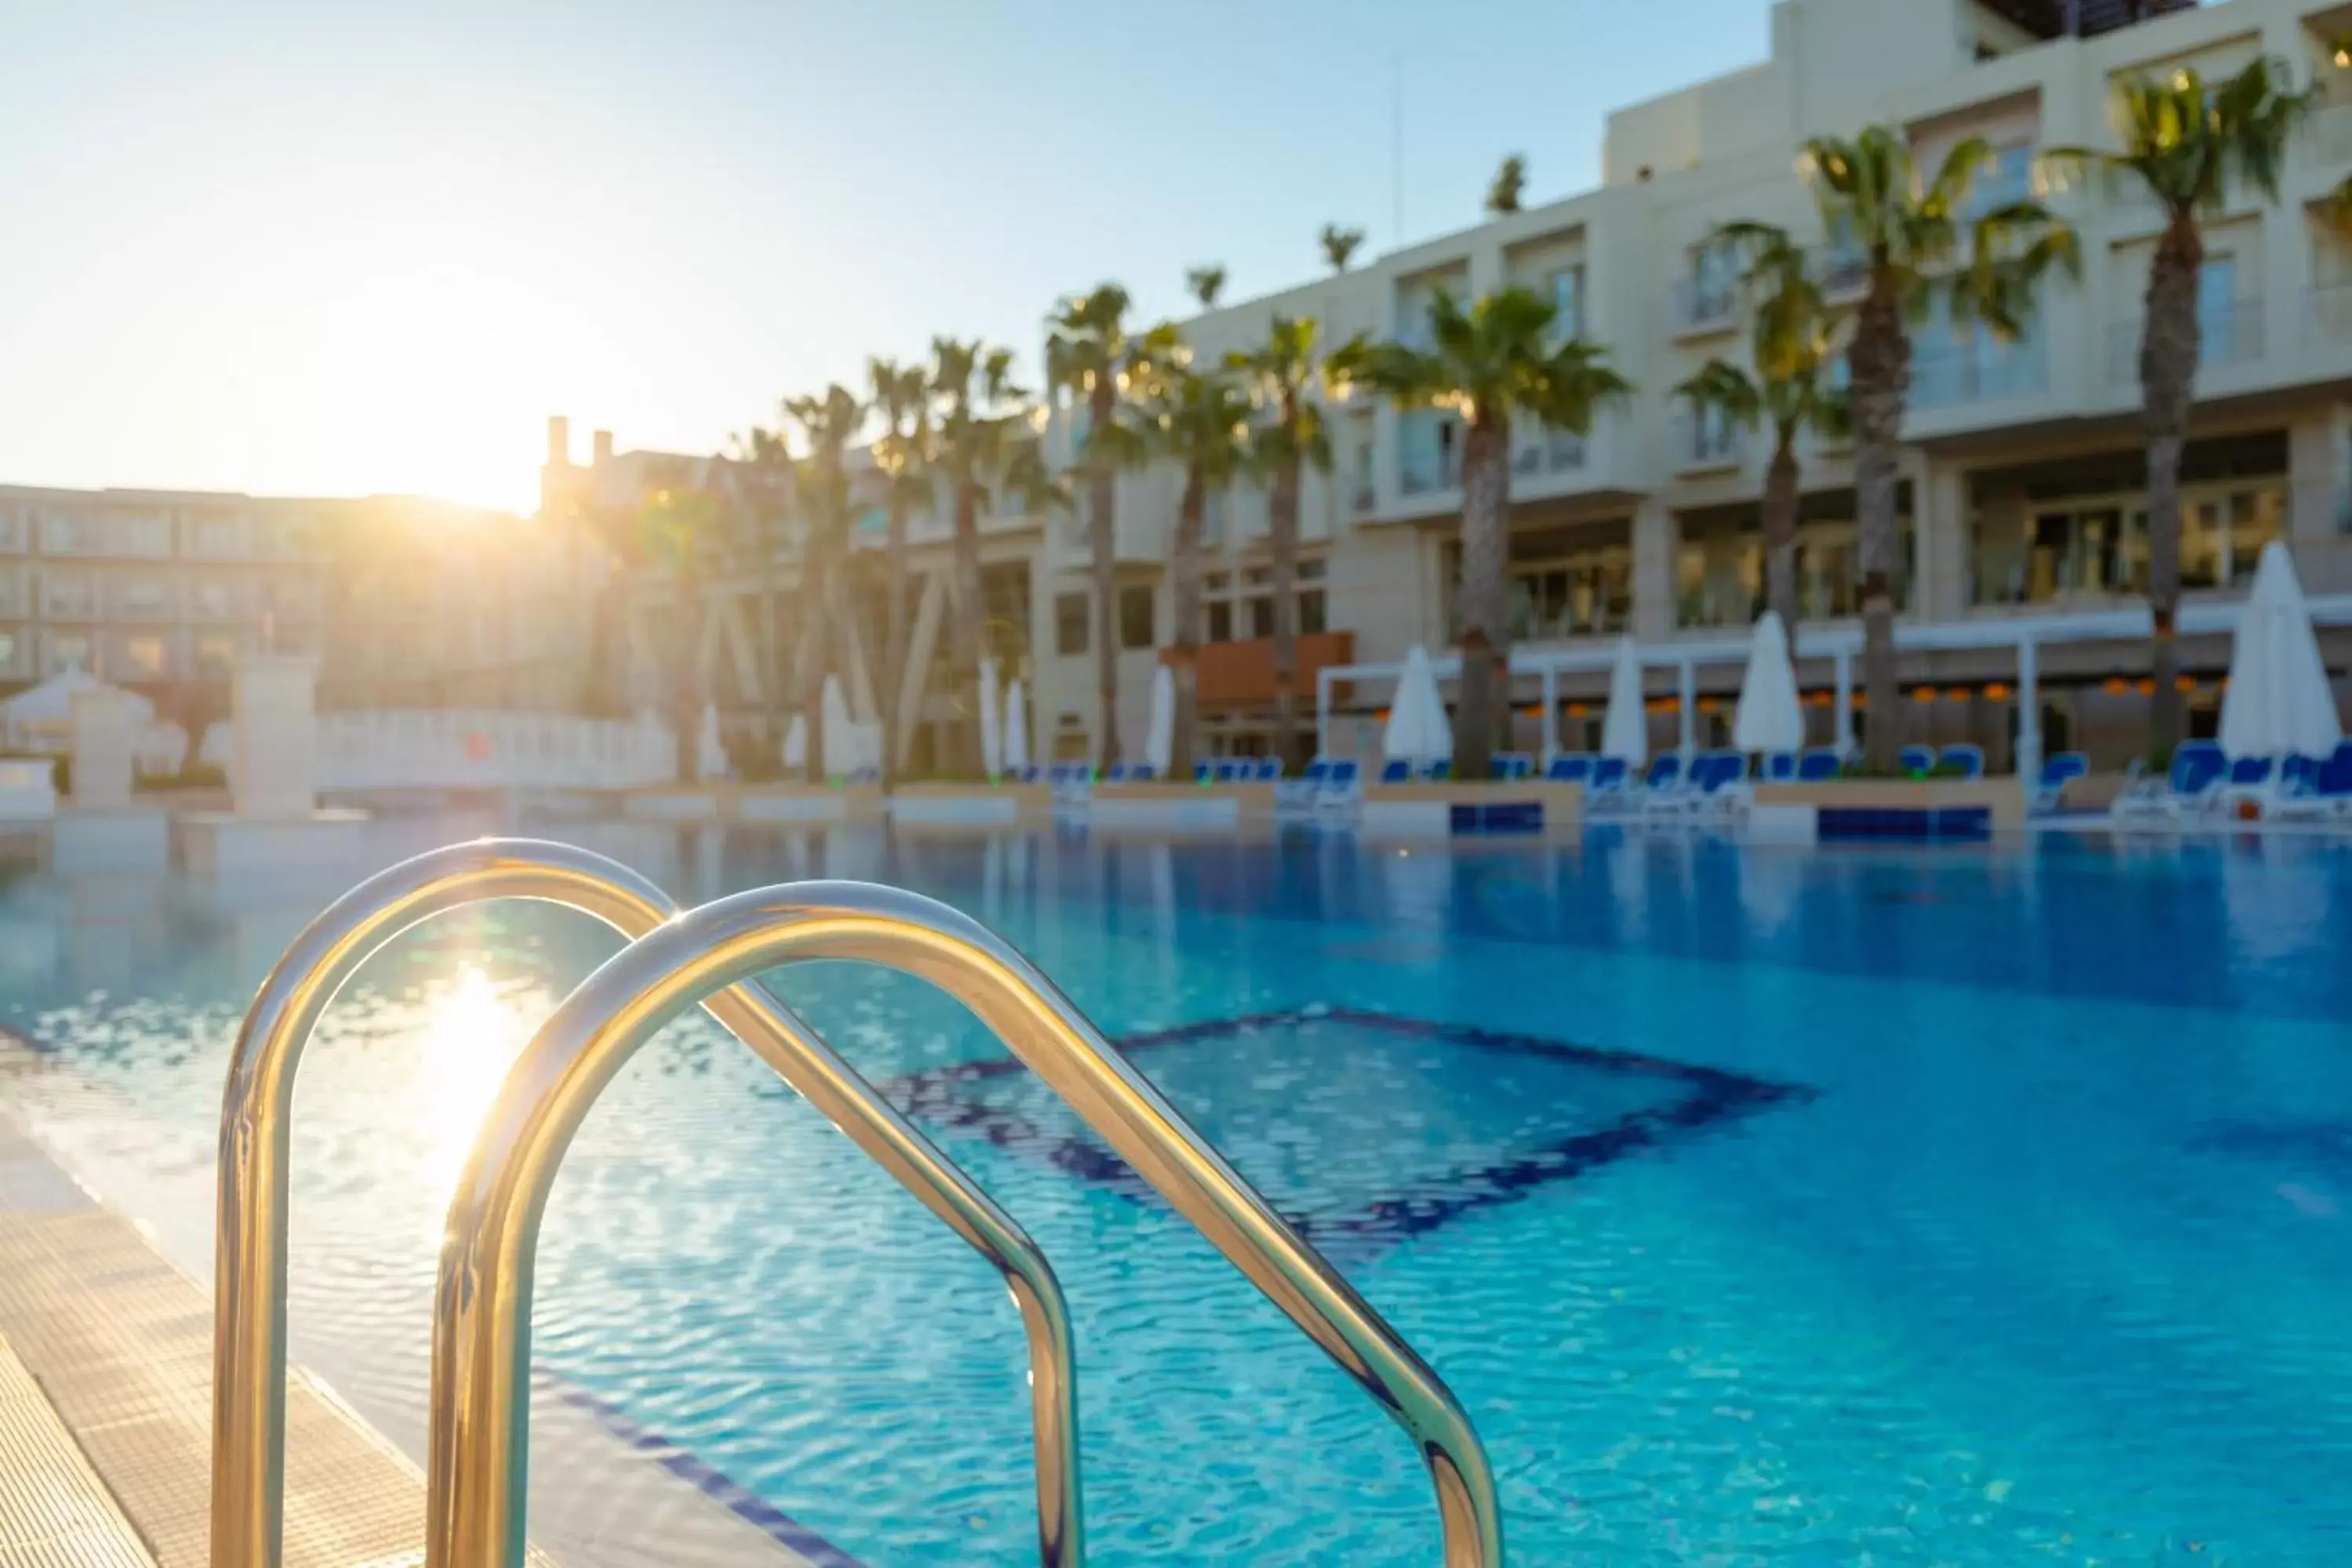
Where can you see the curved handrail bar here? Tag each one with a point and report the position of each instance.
(478, 1461)
(249, 1321)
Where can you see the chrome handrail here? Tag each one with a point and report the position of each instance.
(477, 1458)
(249, 1323)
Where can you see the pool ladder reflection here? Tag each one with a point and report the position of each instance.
(479, 1404)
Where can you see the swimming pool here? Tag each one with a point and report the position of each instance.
(1974, 1205)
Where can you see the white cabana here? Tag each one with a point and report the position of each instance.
(796, 744)
(1626, 731)
(1160, 741)
(836, 729)
(1016, 728)
(47, 709)
(1417, 732)
(991, 739)
(709, 751)
(1769, 719)
(2278, 702)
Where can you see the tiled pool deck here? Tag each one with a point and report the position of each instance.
(106, 1413)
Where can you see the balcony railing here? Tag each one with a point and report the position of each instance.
(2328, 134)
(1702, 444)
(2230, 334)
(1701, 306)
(1549, 452)
(1841, 271)
(1982, 370)
(2331, 312)
(1241, 674)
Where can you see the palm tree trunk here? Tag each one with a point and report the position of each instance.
(892, 665)
(1486, 597)
(1282, 525)
(608, 652)
(809, 661)
(1881, 360)
(969, 619)
(2169, 349)
(1781, 532)
(1102, 491)
(1184, 637)
(685, 672)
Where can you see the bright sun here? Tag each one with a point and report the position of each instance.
(472, 1037)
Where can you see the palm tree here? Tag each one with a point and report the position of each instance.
(985, 448)
(1790, 347)
(1199, 422)
(1908, 235)
(681, 524)
(1496, 364)
(830, 425)
(1091, 353)
(1338, 245)
(763, 464)
(1206, 283)
(1509, 183)
(1291, 435)
(900, 397)
(2186, 143)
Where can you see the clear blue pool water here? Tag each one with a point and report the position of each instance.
(1939, 1206)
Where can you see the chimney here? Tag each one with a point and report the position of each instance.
(558, 441)
(604, 441)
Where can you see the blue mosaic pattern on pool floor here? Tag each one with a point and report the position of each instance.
(1549, 1111)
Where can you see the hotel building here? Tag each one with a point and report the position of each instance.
(2022, 497)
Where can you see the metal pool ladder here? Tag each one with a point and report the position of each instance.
(480, 1407)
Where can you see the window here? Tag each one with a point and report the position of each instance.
(66, 596)
(2095, 547)
(1069, 624)
(1568, 302)
(1719, 565)
(216, 652)
(146, 536)
(1213, 520)
(1431, 455)
(1242, 605)
(1366, 484)
(1005, 591)
(1135, 629)
(1715, 277)
(143, 596)
(144, 658)
(216, 536)
(12, 530)
(64, 535)
(2217, 311)
(7, 650)
(2006, 179)
(68, 652)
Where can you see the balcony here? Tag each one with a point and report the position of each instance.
(1704, 443)
(1702, 305)
(69, 602)
(1431, 455)
(2331, 313)
(1981, 369)
(1549, 452)
(2231, 332)
(1840, 271)
(1241, 674)
(2328, 135)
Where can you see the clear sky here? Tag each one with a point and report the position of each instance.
(370, 244)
